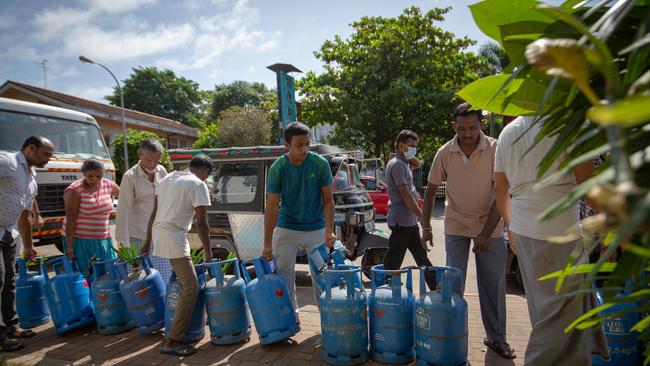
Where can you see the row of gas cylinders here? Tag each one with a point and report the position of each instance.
(121, 299)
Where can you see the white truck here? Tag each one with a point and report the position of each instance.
(76, 137)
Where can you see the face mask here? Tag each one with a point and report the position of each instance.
(410, 153)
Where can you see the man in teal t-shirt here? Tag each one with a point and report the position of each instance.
(299, 205)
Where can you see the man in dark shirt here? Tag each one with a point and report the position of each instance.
(403, 210)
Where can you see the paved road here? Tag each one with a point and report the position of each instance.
(85, 347)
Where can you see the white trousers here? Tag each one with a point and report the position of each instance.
(285, 247)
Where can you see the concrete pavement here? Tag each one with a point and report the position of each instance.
(85, 347)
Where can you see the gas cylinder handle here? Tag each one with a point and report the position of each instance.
(120, 267)
(261, 266)
(450, 276)
(99, 269)
(22, 267)
(348, 273)
(409, 280)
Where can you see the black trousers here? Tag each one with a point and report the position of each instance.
(407, 237)
(8, 319)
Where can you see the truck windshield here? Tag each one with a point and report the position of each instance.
(71, 139)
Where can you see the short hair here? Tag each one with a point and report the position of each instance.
(201, 161)
(151, 144)
(295, 129)
(465, 109)
(91, 164)
(404, 136)
(37, 141)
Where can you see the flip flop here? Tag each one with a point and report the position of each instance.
(25, 333)
(501, 348)
(180, 350)
(10, 346)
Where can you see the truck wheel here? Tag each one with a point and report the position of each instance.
(370, 258)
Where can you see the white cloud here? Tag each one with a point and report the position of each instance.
(111, 31)
(229, 31)
(20, 52)
(118, 6)
(122, 45)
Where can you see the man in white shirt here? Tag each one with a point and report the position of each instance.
(137, 194)
(180, 196)
(515, 174)
(17, 192)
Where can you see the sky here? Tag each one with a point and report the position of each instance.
(211, 42)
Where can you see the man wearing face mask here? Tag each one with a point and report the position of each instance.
(466, 163)
(403, 210)
(137, 193)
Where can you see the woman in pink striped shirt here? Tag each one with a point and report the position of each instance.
(88, 204)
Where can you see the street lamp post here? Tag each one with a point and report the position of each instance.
(119, 87)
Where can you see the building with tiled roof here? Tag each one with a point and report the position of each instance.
(176, 134)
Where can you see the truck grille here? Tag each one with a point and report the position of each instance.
(50, 199)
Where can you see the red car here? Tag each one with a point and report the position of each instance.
(379, 194)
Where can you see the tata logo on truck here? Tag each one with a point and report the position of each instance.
(68, 178)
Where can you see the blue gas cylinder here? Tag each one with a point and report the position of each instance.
(196, 329)
(441, 320)
(391, 307)
(68, 296)
(321, 257)
(270, 306)
(225, 302)
(624, 344)
(144, 294)
(344, 318)
(31, 304)
(110, 309)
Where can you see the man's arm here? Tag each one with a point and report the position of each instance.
(482, 241)
(502, 190)
(203, 230)
(25, 229)
(124, 207)
(270, 219)
(427, 207)
(71, 200)
(328, 212)
(36, 215)
(408, 200)
(147, 243)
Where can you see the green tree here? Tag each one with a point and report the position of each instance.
(390, 74)
(587, 70)
(240, 126)
(496, 57)
(133, 139)
(208, 137)
(161, 93)
(237, 126)
(238, 93)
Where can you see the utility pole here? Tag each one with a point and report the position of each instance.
(43, 65)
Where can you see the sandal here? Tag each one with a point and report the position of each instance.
(179, 350)
(25, 333)
(501, 348)
(10, 346)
